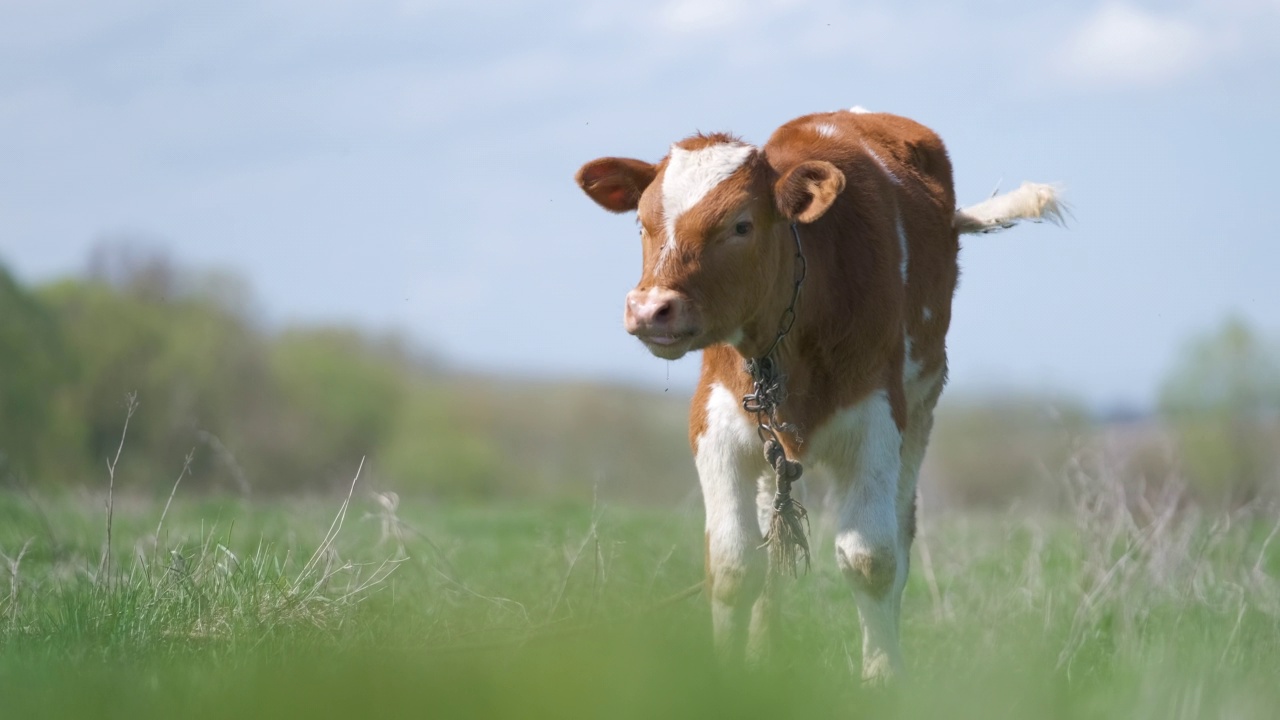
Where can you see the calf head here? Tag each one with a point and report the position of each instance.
(714, 221)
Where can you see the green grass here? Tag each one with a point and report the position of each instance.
(1114, 609)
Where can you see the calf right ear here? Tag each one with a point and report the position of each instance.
(616, 184)
(808, 190)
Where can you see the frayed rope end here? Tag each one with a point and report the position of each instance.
(788, 538)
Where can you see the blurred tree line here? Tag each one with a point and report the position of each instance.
(276, 411)
(1222, 400)
(1214, 436)
(279, 411)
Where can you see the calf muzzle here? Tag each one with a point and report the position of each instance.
(660, 317)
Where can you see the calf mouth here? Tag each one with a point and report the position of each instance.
(668, 345)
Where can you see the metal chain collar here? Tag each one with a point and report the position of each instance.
(768, 391)
(767, 394)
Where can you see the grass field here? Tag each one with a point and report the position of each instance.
(1121, 607)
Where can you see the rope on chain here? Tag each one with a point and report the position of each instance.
(787, 539)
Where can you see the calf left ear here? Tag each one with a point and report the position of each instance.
(805, 192)
(616, 184)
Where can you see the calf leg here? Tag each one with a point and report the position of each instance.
(922, 398)
(763, 613)
(871, 549)
(728, 464)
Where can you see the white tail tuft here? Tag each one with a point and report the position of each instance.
(1032, 201)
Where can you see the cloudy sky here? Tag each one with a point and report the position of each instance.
(408, 165)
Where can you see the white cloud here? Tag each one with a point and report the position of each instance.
(1125, 46)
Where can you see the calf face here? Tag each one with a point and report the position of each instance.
(714, 221)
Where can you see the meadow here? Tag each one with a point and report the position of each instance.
(1123, 604)
(1065, 569)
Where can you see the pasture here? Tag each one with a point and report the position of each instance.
(1121, 606)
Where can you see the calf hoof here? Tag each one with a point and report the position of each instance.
(878, 671)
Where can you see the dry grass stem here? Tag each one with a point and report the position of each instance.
(573, 561)
(14, 566)
(131, 405)
(186, 469)
(334, 528)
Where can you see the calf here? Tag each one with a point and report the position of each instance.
(865, 201)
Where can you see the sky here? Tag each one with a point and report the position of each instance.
(408, 165)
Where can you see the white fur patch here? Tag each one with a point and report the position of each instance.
(910, 366)
(728, 486)
(927, 314)
(866, 461)
(826, 130)
(902, 246)
(689, 176)
(844, 440)
(920, 387)
(859, 110)
(880, 161)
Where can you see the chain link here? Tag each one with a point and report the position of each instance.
(768, 393)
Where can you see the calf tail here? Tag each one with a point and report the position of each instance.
(1033, 201)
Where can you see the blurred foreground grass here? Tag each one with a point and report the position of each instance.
(1151, 610)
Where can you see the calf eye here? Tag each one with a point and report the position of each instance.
(742, 228)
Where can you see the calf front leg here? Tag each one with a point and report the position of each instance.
(871, 550)
(729, 461)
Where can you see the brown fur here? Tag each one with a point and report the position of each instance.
(848, 337)
(848, 340)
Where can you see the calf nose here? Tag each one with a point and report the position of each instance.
(653, 310)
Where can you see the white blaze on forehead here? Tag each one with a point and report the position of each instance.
(690, 175)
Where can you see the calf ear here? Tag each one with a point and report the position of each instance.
(807, 190)
(616, 183)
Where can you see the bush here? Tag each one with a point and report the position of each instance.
(35, 371)
(1223, 402)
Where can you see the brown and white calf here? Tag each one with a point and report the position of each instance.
(872, 198)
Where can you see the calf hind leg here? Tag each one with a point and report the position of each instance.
(923, 397)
